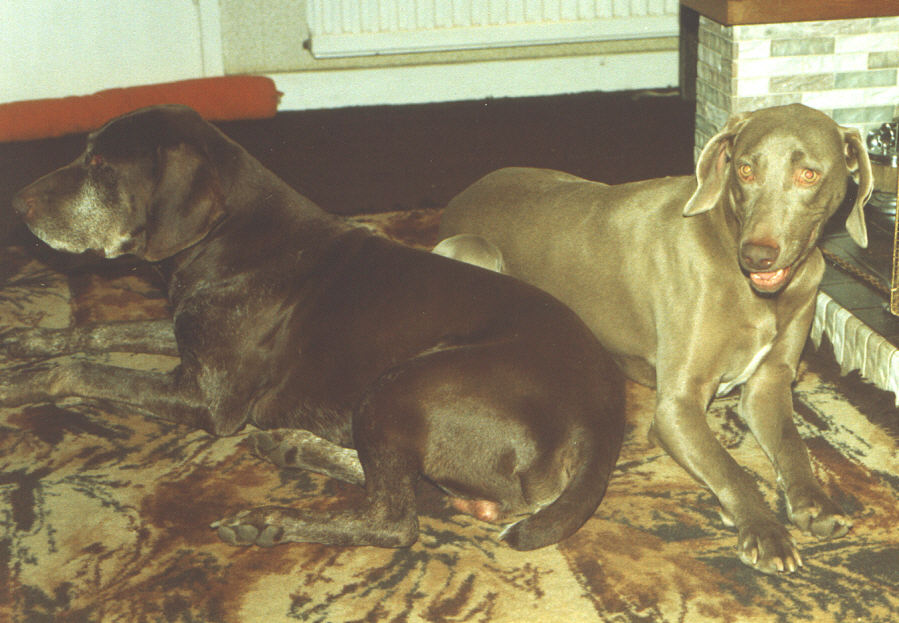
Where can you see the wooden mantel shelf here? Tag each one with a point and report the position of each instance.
(741, 12)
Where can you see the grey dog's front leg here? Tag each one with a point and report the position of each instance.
(767, 406)
(145, 336)
(681, 428)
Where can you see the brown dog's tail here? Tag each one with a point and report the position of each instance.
(592, 467)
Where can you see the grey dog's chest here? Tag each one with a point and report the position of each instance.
(748, 347)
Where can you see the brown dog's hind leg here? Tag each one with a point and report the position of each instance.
(386, 518)
(384, 431)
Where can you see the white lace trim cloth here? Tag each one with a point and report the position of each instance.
(856, 346)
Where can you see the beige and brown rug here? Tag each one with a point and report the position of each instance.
(104, 515)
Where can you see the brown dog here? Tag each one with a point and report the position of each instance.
(288, 319)
(697, 285)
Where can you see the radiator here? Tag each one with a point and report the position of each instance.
(368, 27)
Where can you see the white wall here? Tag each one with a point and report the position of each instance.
(55, 48)
(419, 84)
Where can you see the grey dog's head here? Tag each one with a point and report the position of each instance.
(144, 185)
(782, 172)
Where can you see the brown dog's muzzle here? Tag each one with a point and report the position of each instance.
(33, 202)
(26, 206)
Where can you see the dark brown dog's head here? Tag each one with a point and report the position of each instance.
(145, 185)
(782, 172)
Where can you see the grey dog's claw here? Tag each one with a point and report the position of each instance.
(769, 548)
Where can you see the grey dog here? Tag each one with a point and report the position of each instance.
(697, 285)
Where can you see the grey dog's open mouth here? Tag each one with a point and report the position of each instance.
(770, 281)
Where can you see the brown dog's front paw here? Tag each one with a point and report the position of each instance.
(300, 449)
(768, 547)
(30, 383)
(813, 512)
(249, 527)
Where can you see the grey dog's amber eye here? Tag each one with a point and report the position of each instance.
(95, 160)
(808, 177)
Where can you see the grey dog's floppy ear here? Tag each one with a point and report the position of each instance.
(711, 168)
(185, 204)
(860, 167)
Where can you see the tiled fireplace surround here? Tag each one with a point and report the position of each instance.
(848, 68)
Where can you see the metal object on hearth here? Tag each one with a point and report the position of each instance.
(883, 145)
(883, 150)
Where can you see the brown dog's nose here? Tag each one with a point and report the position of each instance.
(25, 205)
(760, 256)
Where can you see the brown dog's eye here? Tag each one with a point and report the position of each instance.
(807, 177)
(745, 172)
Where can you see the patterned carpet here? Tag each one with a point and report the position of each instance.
(104, 514)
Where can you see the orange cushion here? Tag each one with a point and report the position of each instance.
(216, 99)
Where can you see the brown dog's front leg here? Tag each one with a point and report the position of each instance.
(299, 449)
(164, 395)
(681, 429)
(145, 336)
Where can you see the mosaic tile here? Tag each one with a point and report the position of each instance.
(885, 24)
(834, 27)
(804, 82)
(752, 87)
(855, 61)
(843, 98)
(744, 104)
(713, 96)
(712, 77)
(752, 49)
(880, 60)
(783, 66)
(866, 115)
(867, 42)
(860, 79)
(802, 46)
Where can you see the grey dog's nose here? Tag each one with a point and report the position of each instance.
(760, 256)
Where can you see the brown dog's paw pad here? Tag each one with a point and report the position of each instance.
(769, 548)
(248, 528)
(262, 445)
(283, 449)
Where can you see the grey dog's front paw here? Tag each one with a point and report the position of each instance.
(813, 512)
(767, 546)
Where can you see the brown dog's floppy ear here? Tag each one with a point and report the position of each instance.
(711, 168)
(185, 204)
(860, 167)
